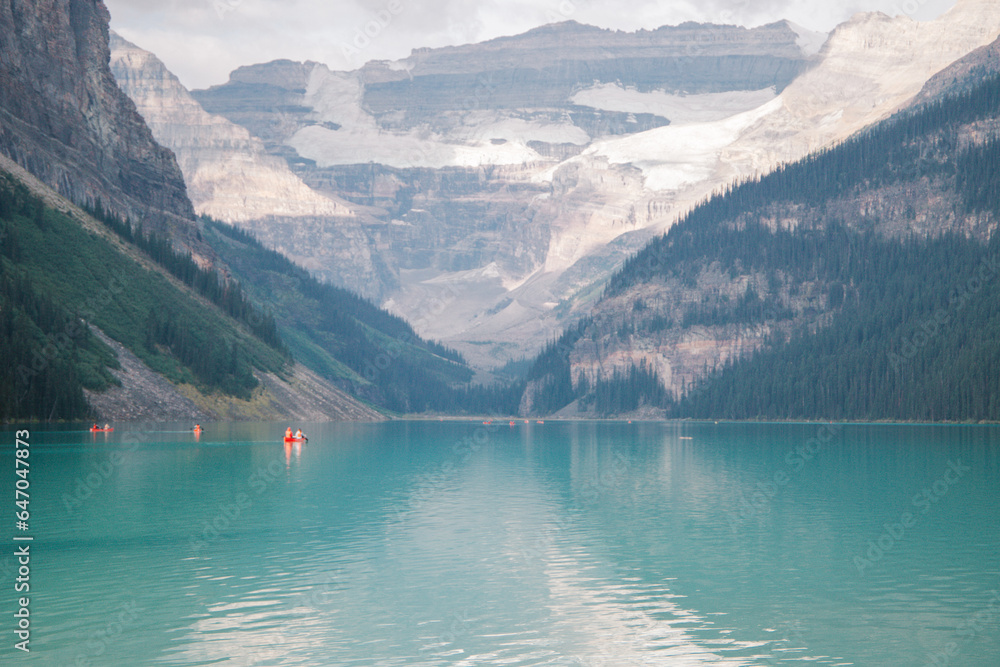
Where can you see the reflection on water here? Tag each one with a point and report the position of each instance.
(425, 543)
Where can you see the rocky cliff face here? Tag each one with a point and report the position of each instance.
(544, 67)
(652, 324)
(231, 177)
(64, 119)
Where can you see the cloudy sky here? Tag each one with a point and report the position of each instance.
(203, 40)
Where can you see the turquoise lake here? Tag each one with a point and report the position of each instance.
(562, 543)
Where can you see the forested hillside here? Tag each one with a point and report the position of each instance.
(914, 336)
(253, 311)
(58, 278)
(859, 283)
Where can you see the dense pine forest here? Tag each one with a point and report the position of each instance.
(916, 338)
(46, 357)
(228, 295)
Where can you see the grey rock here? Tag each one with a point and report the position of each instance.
(64, 119)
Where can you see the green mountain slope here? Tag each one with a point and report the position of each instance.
(59, 277)
(859, 283)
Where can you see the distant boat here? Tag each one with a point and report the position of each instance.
(302, 439)
(94, 429)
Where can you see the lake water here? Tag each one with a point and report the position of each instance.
(429, 543)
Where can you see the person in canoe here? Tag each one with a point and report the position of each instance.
(298, 436)
(197, 428)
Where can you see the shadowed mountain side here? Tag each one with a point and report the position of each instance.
(66, 256)
(63, 118)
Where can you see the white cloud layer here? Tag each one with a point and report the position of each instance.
(203, 40)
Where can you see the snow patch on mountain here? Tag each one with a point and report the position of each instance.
(674, 157)
(678, 109)
(336, 97)
(346, 134)
(402, 150)
(519, 131)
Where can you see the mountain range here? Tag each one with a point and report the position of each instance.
(602, 191)
(507, 179)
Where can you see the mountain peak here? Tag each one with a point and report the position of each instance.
(288, 74)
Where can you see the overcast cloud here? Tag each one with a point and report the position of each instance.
(203, 40)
